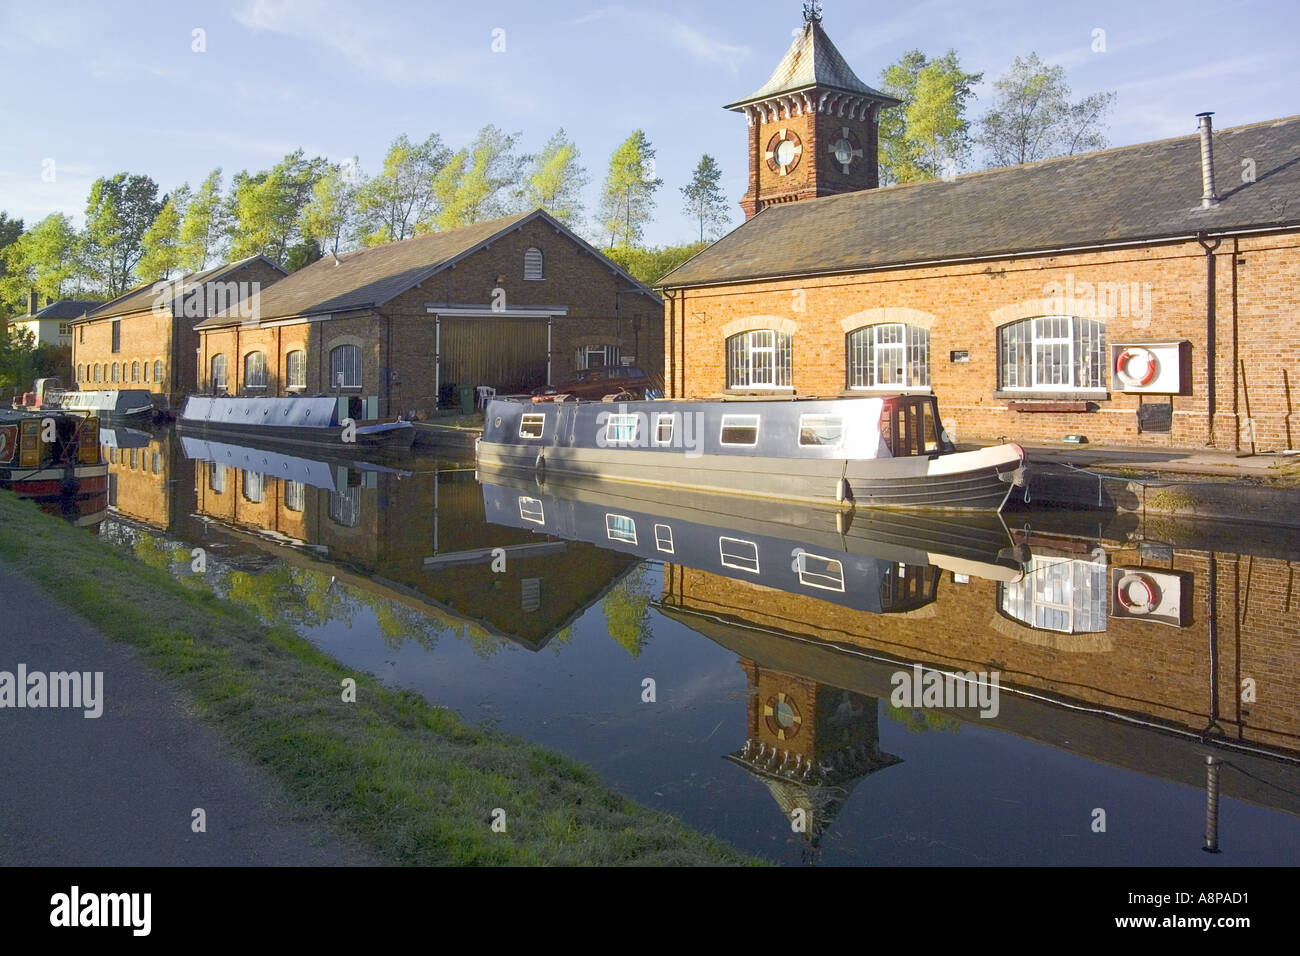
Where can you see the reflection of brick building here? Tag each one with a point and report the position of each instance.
(1009, 292)
(149, 482)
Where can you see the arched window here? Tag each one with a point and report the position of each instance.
(255, 370)
(1055, 352)
(760, 359)
(254, 487)
(97, 372)
(146, 371)
(345, 366)
(295, 496)
(345, 507)
(1069, 595)
(135, 371)
(534, 264)
(219, 372)
(891, 355)
(217, 477)
(157, 371)
(81, 373)
(117, 372)
(295, 368)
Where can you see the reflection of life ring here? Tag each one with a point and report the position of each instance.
(6, 442)
(1136, 352)
(1137, 593)
(781, 714)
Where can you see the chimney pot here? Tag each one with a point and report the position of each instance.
(1209, 197)
(33, 302)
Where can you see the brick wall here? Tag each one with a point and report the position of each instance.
(1257, 339)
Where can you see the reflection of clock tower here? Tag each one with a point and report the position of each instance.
(812, 125)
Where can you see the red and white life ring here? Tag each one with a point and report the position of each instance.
(7, 435)
(1126, 355)
(1137, 593)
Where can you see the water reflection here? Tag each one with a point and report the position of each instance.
(1127, 653)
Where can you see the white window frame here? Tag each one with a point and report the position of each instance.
(735, 421)
(621, 534)
(757, 343)
(616, 425)
(1073, 602)
(532, 510)
(1036, 335)
(734, 559)
(295, 496)
(825, 417)
(349, 382)
(811, 578)
(291, 380)
(609, 356)
(664, 538)
(219, 383)
(263, 378)
(258, 482)
(532, 418)
(534, 264)
(660, 419)
(865, 350)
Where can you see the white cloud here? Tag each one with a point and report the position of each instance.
(672, 31)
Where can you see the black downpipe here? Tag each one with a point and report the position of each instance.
(1211, 342)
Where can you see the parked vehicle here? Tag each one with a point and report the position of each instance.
(625, 381)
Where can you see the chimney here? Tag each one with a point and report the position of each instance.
(1209, 197)
(33, 302)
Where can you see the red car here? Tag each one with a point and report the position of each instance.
(596, 383)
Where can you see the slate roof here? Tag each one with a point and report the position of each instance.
(63, 309)
(1146, 192)
(812, 61)
(367, 278)
(142, 297)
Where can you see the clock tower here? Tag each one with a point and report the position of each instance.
(812, 125)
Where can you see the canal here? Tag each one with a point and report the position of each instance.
(776, 676)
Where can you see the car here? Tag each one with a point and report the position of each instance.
(596, 383)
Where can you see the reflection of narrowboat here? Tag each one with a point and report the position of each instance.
(858, 561)
(888, 452)
(53, 458)
(299, 422)
(275, 464)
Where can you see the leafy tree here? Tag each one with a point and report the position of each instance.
(651, 265)
(1032, 117)
(42, 259)
(704, 198)
(330, 217)
(203, 225)
(401, 195)
(556, 180)
(478, 183)
(624, 606)
(627, 202)
(162, 247)
(10, 230)
(22, 360)
(929, 135)
(118, 212)
(267, 207)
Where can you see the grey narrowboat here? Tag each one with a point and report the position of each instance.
(300, 422)
(878, 452)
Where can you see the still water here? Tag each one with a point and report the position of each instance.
(743, 666)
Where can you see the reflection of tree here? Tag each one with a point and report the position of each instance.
(152, 551)
(292, 595)
(399, 623)
(919, 720)
(625, 613)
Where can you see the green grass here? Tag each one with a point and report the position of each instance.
(1285, 474)
(413, 782)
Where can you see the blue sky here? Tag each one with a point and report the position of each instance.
(101, 88)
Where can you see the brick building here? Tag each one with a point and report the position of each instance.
(1144, 294)
(145, 338)
(513, 303)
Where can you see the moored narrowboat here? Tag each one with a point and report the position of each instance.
(296, 422)
(878, 452)
(53, 458)
(108, 404)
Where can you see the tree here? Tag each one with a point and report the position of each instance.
(704, 198)
(1032, 117)
(651, 265)
(10, 230)
(203, 225)
(627, 202)
(330, 218)
(401, 195)
(477, 183)
(41, 260)
(118, 212)
(267, 207)
(162, 247)
(556, 180)
(929, 135)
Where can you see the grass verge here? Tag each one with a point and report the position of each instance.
(414, 782)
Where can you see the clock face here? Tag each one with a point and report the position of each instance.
(784, 150)
(846, 149)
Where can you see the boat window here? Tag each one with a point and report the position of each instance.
(620, 528)
(818, 572)
(739, 554)
(663, 429)
(664, 538)
(909, 427)
(821, 429)
(739, 430)
(530, 426)
(530, 509)
(621, 429)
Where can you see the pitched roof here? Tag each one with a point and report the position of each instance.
(62, 309)
(812, 61)
(1146, 192)
(367, 278)
(143, 297)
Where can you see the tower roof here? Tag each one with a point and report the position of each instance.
(812, 62)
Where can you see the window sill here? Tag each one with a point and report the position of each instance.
(761, 390)
(1074, 395)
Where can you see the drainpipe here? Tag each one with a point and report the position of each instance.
(1211, 344)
